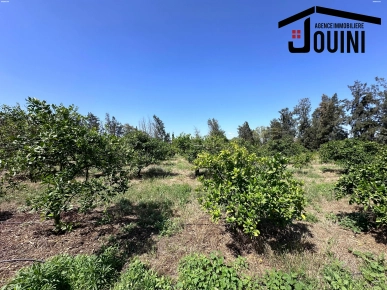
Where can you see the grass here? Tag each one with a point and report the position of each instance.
(160, 224)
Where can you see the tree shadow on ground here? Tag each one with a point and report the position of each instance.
(332, 170)
(361, 221)
(291, 238)
(5, 215)
(138, 223)
(157, 172)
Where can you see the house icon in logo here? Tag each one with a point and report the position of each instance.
(332, 45)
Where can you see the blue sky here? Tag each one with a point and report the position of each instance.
(184, 60)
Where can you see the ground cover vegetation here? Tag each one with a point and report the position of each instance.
(300, 204)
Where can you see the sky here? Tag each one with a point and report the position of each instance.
(185, 61)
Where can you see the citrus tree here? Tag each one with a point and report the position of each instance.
(366, 185)
(247, 189)
(146, 150)
(58, 151)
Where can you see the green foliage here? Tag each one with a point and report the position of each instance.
(214, 129)
(328, 120)
(245, 133)
(67, 272)
(138, 277)
(274, 279)
(373, 269)
(373, 272)
(301, 160)
(366, 186)
(169, 227)
(199, 272)
(188, 146)
(146, 149)
(249, 189)
(311, 218)
(348, 152)
(56, 149)
(286, 146)
(337, 277)
(356, 222)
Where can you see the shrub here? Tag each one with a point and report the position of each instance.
(138, 277)
(57, 149)
(275, 279)
(286, 146)
(301, 160)
(199, 272)
(67, 272)
(348, 152)
(366, 185)
(146, 150)
(249, 189)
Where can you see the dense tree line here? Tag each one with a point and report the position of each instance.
(365, 114)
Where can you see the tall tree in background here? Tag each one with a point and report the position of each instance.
(303, 120)
(214, 129)
(112, 126)
(328, 120)
(93, 122)
(126, 129)
(284, 126)
(288, 123)
(363, 111)
(158, 129)
(382, 112)
(245, 132)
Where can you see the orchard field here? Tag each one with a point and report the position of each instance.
(301, 204)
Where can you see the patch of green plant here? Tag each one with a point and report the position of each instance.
(169, 227)
(68, 272)
(199, 272)
(332, 217)
(178, 194)
(247, 189)
(139, 277)
(357, 222)
(301, 160)
(373, 269)
(274, 279)
(311, 218)
(314, 191)
(337, 277)
(317, 207)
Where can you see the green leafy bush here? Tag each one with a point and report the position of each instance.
(199, 272)
(249, 189)
(301, 160)
(274, 279)
(348, 152)
(339, 278)
(146, 150)
(373, 269)
(64, 272)
(57, 149)
(286, 146)
(138, 277)
(366, 185)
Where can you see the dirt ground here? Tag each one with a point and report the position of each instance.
(24, 235)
